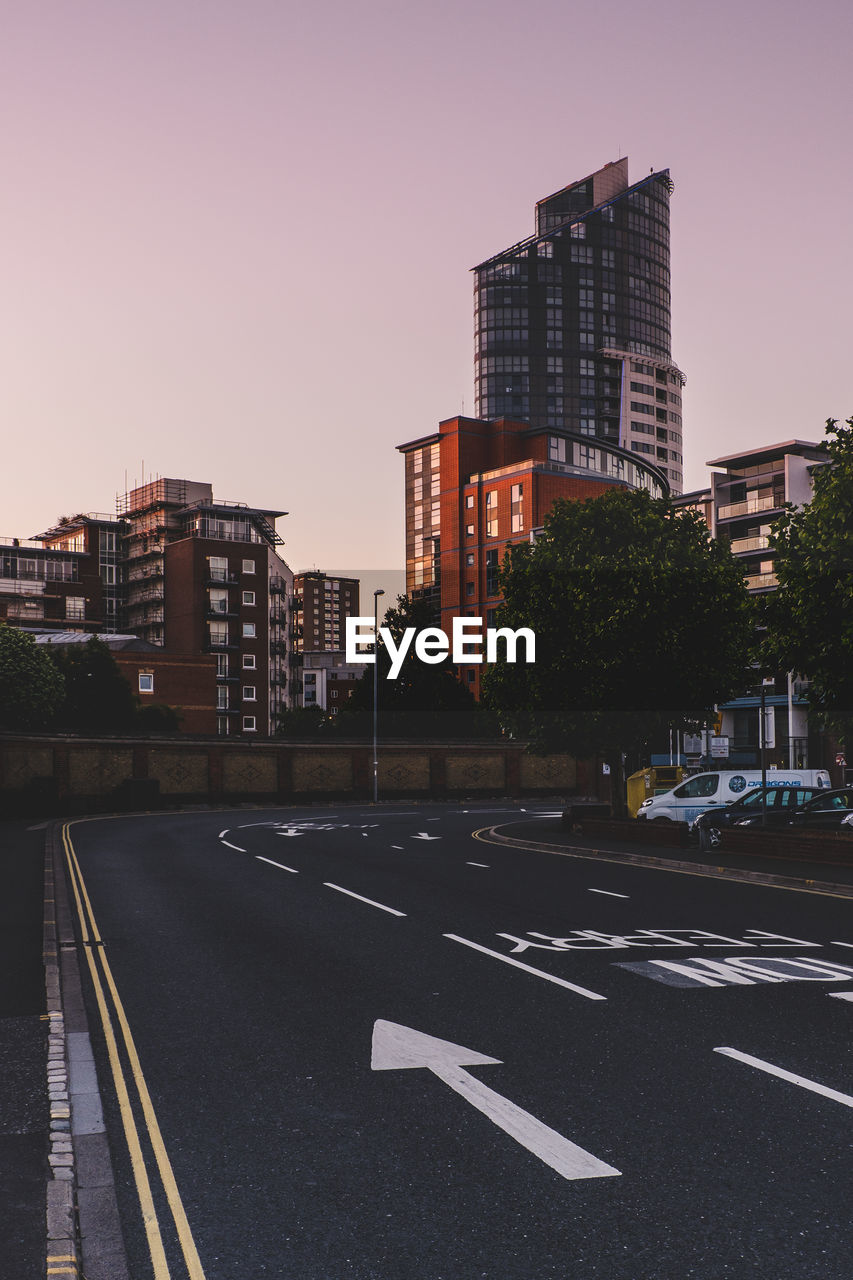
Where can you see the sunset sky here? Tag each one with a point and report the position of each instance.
(237, 237)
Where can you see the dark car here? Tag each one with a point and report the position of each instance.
(779, 806)
(828, 811)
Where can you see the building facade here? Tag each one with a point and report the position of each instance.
(747, 492)
(65, 579)
(572, 325)
(202, 575)
(322, 603)
(476, 486)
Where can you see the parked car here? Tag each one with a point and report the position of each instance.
(780, 803)
(829, 811)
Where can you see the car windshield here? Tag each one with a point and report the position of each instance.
(754, 797)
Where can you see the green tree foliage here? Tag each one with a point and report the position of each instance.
(98, 699)
(810, 617)
(424, 701)
(303, 722)
(31, 687)
(642, 622)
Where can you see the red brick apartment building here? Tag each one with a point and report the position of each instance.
(204, 576)
(476, 486)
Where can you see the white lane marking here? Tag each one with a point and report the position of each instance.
(841, 944)
(841, 995)
(37, 826)
(370, 902)
(812, 1085)
(224, 833)
(517, 964)
(232, 846)
(544, 815)
(276, 864)
(608, 892)
(276, 822)
(396, 1047)
(485, 865)
(397, 846)
(422, 835)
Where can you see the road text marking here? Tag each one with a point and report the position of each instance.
(517, 964)
(280, 865)
(396, 1047)
(812, 1085)
(370, 902)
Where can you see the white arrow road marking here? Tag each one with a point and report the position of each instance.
(289, 831)
(804, 1083)
(841, 995)
(422, 835)
(396, 1047)
(519, 964)
(280, 865)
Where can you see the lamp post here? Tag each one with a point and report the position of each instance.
(379, 592)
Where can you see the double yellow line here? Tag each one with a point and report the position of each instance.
(95, 955)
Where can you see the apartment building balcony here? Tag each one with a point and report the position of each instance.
(750, 507)
(214, 611)
(220, 646)
(738, 546)
(761, 581)
(216, 577)
(278, 646)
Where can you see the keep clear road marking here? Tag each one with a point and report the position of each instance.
(609, 893)
(517, 964)
(280, 865)
(396, 1047)
(391, 910)
(812, 1085)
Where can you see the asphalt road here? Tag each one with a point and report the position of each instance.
(288, 982)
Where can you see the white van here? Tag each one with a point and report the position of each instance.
(705, 790)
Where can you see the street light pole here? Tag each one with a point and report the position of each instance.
(379, 592)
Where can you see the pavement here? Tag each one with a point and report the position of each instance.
(40, 1167)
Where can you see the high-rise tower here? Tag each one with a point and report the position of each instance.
(572, 325)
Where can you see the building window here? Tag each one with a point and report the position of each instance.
(249, 724)
(222, 726)
(469, 530)
(248, 597)
(469, 500)
(218, 600)
(222, 697)
(248, 566)
(249, 630)
(218, 568)
(492, 498)
(146, 682)
(249, 693)
(249, 662)
(469, 559)
(75, 607)
(222, 666)
(219, 633)
(469, 588)
(556, 449)
(492, 573)
(491, 528)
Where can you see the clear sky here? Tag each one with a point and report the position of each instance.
(236, 237)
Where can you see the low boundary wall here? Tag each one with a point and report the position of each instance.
(42, 774)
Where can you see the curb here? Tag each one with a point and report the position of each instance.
(83, 1225)
(799, 884)
(61, 1251)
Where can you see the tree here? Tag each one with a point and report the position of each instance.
(31, 687)
(424, 701)
(98, 699)
(642, 623)
(810, 617)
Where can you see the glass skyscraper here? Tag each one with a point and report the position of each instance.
(572, 325)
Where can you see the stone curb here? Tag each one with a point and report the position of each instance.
(61, 1248)
(672, 864)
(84, 1238)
